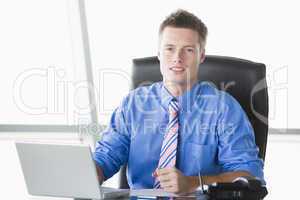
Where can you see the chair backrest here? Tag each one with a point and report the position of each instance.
(243, 79)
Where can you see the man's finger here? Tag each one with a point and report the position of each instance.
(164, 171)
(164, 178)
(168, 184)
(171, 188)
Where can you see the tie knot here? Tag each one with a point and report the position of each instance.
(173, 106)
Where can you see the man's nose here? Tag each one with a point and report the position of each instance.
(177, 58)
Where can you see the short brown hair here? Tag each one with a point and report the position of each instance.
(184, 19)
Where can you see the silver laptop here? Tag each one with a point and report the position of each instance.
(62, 171)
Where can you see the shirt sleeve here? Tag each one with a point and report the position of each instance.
(237, 150)
(112, 149)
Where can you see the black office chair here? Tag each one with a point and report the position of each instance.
(243, 79)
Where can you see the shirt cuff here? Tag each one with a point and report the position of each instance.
(254, 168)
(106, 170)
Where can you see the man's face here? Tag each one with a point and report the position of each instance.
(180, 55)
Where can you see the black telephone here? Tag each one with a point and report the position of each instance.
(242, 188)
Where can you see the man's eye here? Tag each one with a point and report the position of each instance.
(190, 50)
(169, 49)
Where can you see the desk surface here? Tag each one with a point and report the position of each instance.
(199, 197)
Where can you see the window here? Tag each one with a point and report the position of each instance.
(43, 77)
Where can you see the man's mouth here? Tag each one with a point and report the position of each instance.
(177, 69)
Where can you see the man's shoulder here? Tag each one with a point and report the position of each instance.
(145, 90)
(143, 93)
(208, 88)
(212, 92)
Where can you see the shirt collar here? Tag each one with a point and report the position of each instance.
(166, 97)
(186, 100)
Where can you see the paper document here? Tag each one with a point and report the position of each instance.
(156, 193)
(152, 192)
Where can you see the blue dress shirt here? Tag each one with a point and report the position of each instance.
(215, 135)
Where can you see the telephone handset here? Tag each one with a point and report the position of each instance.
(242, 188)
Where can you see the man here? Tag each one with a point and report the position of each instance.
(177, 133)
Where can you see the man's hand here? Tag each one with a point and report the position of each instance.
(172, 180)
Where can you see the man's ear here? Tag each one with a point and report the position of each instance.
(202, 56)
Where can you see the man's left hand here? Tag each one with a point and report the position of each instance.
(172, 180)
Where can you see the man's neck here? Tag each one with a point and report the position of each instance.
(177, 89)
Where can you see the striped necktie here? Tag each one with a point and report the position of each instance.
(169, 146)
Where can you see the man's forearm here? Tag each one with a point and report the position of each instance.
(224, 177)
(100, 174)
